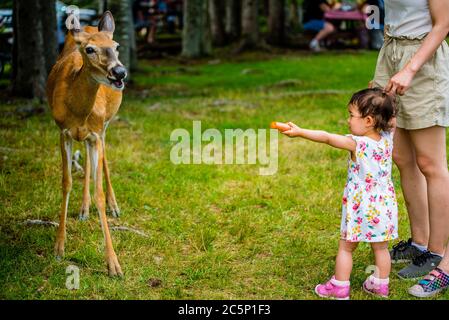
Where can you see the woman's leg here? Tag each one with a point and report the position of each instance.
(343, 265)
(382, 259)
(430, 148)
(414, 186)
(327, 30)
(444, 264)
(435, 282)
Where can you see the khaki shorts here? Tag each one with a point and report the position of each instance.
(426, 103)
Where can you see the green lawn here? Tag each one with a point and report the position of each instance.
(214, 232)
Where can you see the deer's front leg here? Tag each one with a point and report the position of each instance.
(66, 153)
(84, 213)
(96, 153)
(111, 201)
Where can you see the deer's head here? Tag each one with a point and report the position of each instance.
(100, 53)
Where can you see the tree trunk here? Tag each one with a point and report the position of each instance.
(15, 43)
(217, 22)
(126, 25)
(233, 19)
(122, 12)
(294, 16)
(276, 22)
(196, 40)
(49, 24)
(102, 6)
(250, 25)
(30, 67)
(132, 37)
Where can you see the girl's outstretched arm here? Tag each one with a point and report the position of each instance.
(334, 140)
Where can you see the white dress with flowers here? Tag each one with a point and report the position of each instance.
(370, 211)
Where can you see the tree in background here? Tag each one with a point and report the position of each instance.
(35, 46)
(276, 22)
(196, 40)
(233, 12)
(49, 26)
(124, 31)
(294, 16)
(250, 25)
(216, 9)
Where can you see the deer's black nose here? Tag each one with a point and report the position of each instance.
(119, 72)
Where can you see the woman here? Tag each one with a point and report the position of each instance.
(414, 63)
(313, 20)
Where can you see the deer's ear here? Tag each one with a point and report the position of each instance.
(107, 23)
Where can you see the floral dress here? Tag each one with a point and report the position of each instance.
(370, 211)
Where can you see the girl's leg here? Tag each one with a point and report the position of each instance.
(382, 259)
(430, 148)
(338, 287)
(414, 186)
(377, 283)
(343, 265)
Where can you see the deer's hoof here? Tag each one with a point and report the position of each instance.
(84, 212)
(114, 267)
(114, 209)
(84, 216)
(59, 250)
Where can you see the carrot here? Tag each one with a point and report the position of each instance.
(280, 126)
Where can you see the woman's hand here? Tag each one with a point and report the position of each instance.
(294, 130)
(401, 81)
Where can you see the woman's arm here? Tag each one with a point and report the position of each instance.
(334, 140)
(325, 7)
(439, 10)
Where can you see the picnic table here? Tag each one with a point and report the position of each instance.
(351, 24)
(345, 15)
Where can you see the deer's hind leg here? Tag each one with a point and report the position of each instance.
(66, 154)
(84, 212)
(110, 195)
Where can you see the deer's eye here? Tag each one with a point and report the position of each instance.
(90, 50)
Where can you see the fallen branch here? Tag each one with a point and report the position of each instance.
(75, 162)
(40, 223)
(123, 228)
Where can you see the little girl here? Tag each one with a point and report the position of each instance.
(369, 201)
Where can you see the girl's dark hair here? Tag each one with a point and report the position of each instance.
(377, 104)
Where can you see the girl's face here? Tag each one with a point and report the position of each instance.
(358, 125)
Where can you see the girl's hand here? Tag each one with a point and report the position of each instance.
(401, 81)
(294, 130)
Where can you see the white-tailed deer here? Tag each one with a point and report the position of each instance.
(84, 91)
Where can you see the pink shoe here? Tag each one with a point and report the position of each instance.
(376, 287)
(333, 290)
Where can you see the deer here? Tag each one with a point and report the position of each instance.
(84, 92)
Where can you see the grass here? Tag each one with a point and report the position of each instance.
(214, 232)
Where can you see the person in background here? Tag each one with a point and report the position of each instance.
(174, 15)
(313, 20)
(141, 17)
